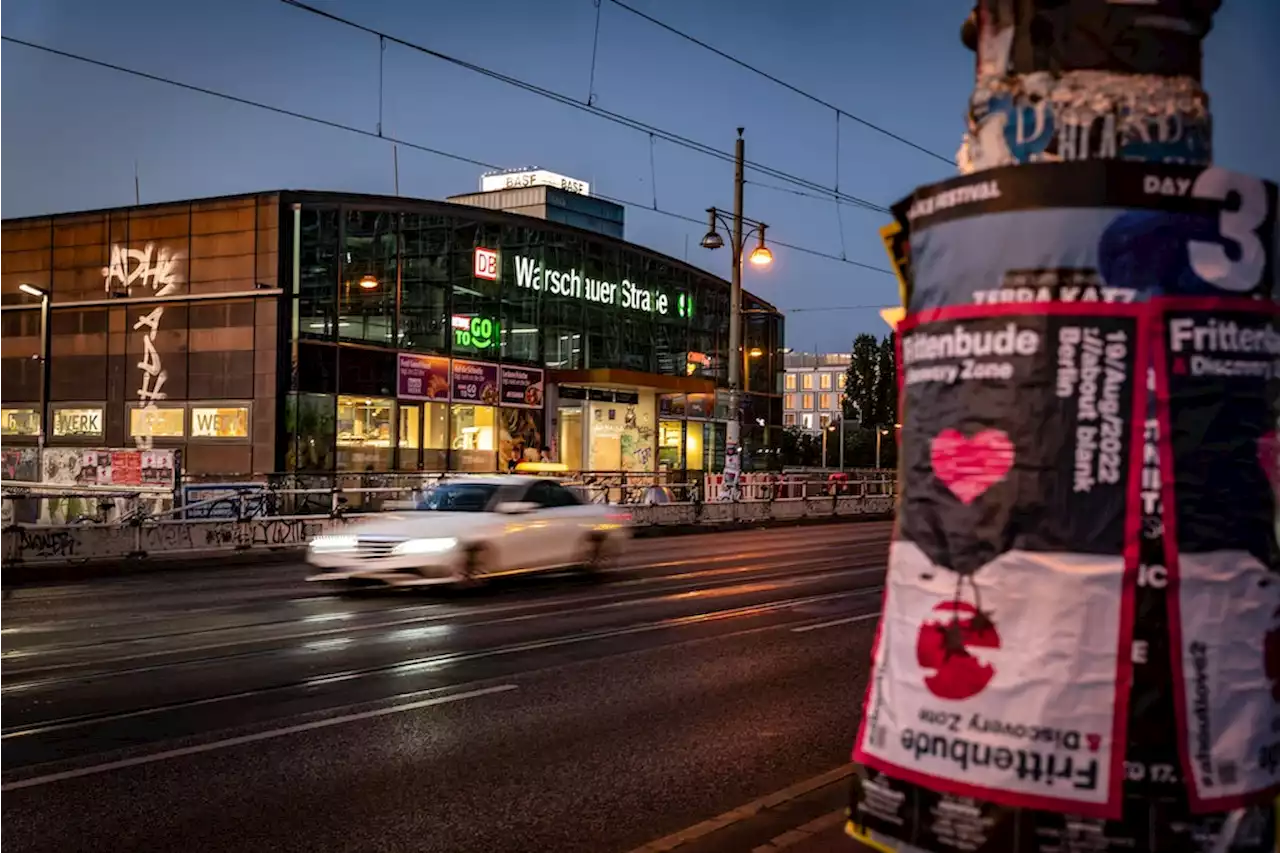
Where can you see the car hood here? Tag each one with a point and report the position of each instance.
(422, 524)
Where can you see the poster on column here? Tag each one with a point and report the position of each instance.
(1090, 231)
(1002, 665)
(1217, 385)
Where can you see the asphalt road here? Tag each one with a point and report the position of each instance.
(244, 709)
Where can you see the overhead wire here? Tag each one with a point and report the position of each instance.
(780, 82)
(592, 109)
(383, 137)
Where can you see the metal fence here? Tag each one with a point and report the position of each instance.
(33, 544)
(333, 495)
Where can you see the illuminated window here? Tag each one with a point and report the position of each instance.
(474, 437)
(20, 422)
(806, 401)
(826, 401)
(789, 401)
(219, 421)
(824, 381)
(364, 422)
(789, 419)
(77, 423)
(806, 381)
(791, 381)
(824, 421)
(157, 422)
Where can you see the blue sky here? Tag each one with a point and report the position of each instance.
(73, 132)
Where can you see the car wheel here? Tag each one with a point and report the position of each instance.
(475, 564)
(599, 555)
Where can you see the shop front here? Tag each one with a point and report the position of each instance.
(612, 426)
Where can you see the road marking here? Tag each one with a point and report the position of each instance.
(226, 743)
(21, 678)
(437, 661)
(741, 813)
(834, 622)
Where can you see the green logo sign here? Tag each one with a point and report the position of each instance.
(475, 332)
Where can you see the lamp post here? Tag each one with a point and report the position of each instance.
(760, 256)
(43, 295)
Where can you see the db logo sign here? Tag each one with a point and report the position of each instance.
(486, 264)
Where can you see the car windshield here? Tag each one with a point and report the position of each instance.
(459, 497)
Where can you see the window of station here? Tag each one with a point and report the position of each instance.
(364, 433)
(694, 445)
(425, 427)
(474, 431)
(670, 445)
(367, 292)
(77, 422)
(219, 421)
(20, 422)
(157, 422)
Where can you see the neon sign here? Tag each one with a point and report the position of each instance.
(475, 332)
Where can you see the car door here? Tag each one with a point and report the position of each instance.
(568, 521)
(538, 528)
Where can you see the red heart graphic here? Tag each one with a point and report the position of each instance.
(1269, 456)
(1094, 741)
(970, 466)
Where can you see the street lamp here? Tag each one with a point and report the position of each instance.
(827, 429)
(760, 257)
(882, 431)
(43, 295)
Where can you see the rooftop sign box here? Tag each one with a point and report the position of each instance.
(518, 178)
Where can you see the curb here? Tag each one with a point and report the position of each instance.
(15, 575)
(747, 811)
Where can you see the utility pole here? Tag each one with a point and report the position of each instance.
(733, 439)
(760, 256)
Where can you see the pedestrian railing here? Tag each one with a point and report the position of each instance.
(141, 538)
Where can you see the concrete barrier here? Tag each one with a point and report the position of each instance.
(33, 545)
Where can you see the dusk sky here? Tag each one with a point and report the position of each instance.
(73, 132)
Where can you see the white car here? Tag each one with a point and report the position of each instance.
(468, 529)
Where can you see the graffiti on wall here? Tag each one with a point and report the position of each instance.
(158, 270)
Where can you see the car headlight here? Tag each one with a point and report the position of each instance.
(426, 546)
(333, 544)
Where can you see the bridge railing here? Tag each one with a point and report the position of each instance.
(35, 544)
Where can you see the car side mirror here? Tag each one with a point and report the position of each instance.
(516, 507)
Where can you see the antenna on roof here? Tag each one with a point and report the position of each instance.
(137, 187)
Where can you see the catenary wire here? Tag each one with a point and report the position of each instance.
(386, 138)
(783, 83)
(566, 100)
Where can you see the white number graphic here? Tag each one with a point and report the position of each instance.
(1210, 260)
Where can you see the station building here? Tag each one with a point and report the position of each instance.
(316, 332)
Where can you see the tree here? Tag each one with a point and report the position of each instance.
(887, 382)
(861, 397)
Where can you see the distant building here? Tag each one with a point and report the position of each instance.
(547, 195)
(813, 389)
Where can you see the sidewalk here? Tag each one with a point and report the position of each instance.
(807, 817)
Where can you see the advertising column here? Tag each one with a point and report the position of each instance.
(1079, 648)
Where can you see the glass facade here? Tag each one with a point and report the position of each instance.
(320, 332)
(380, 278)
